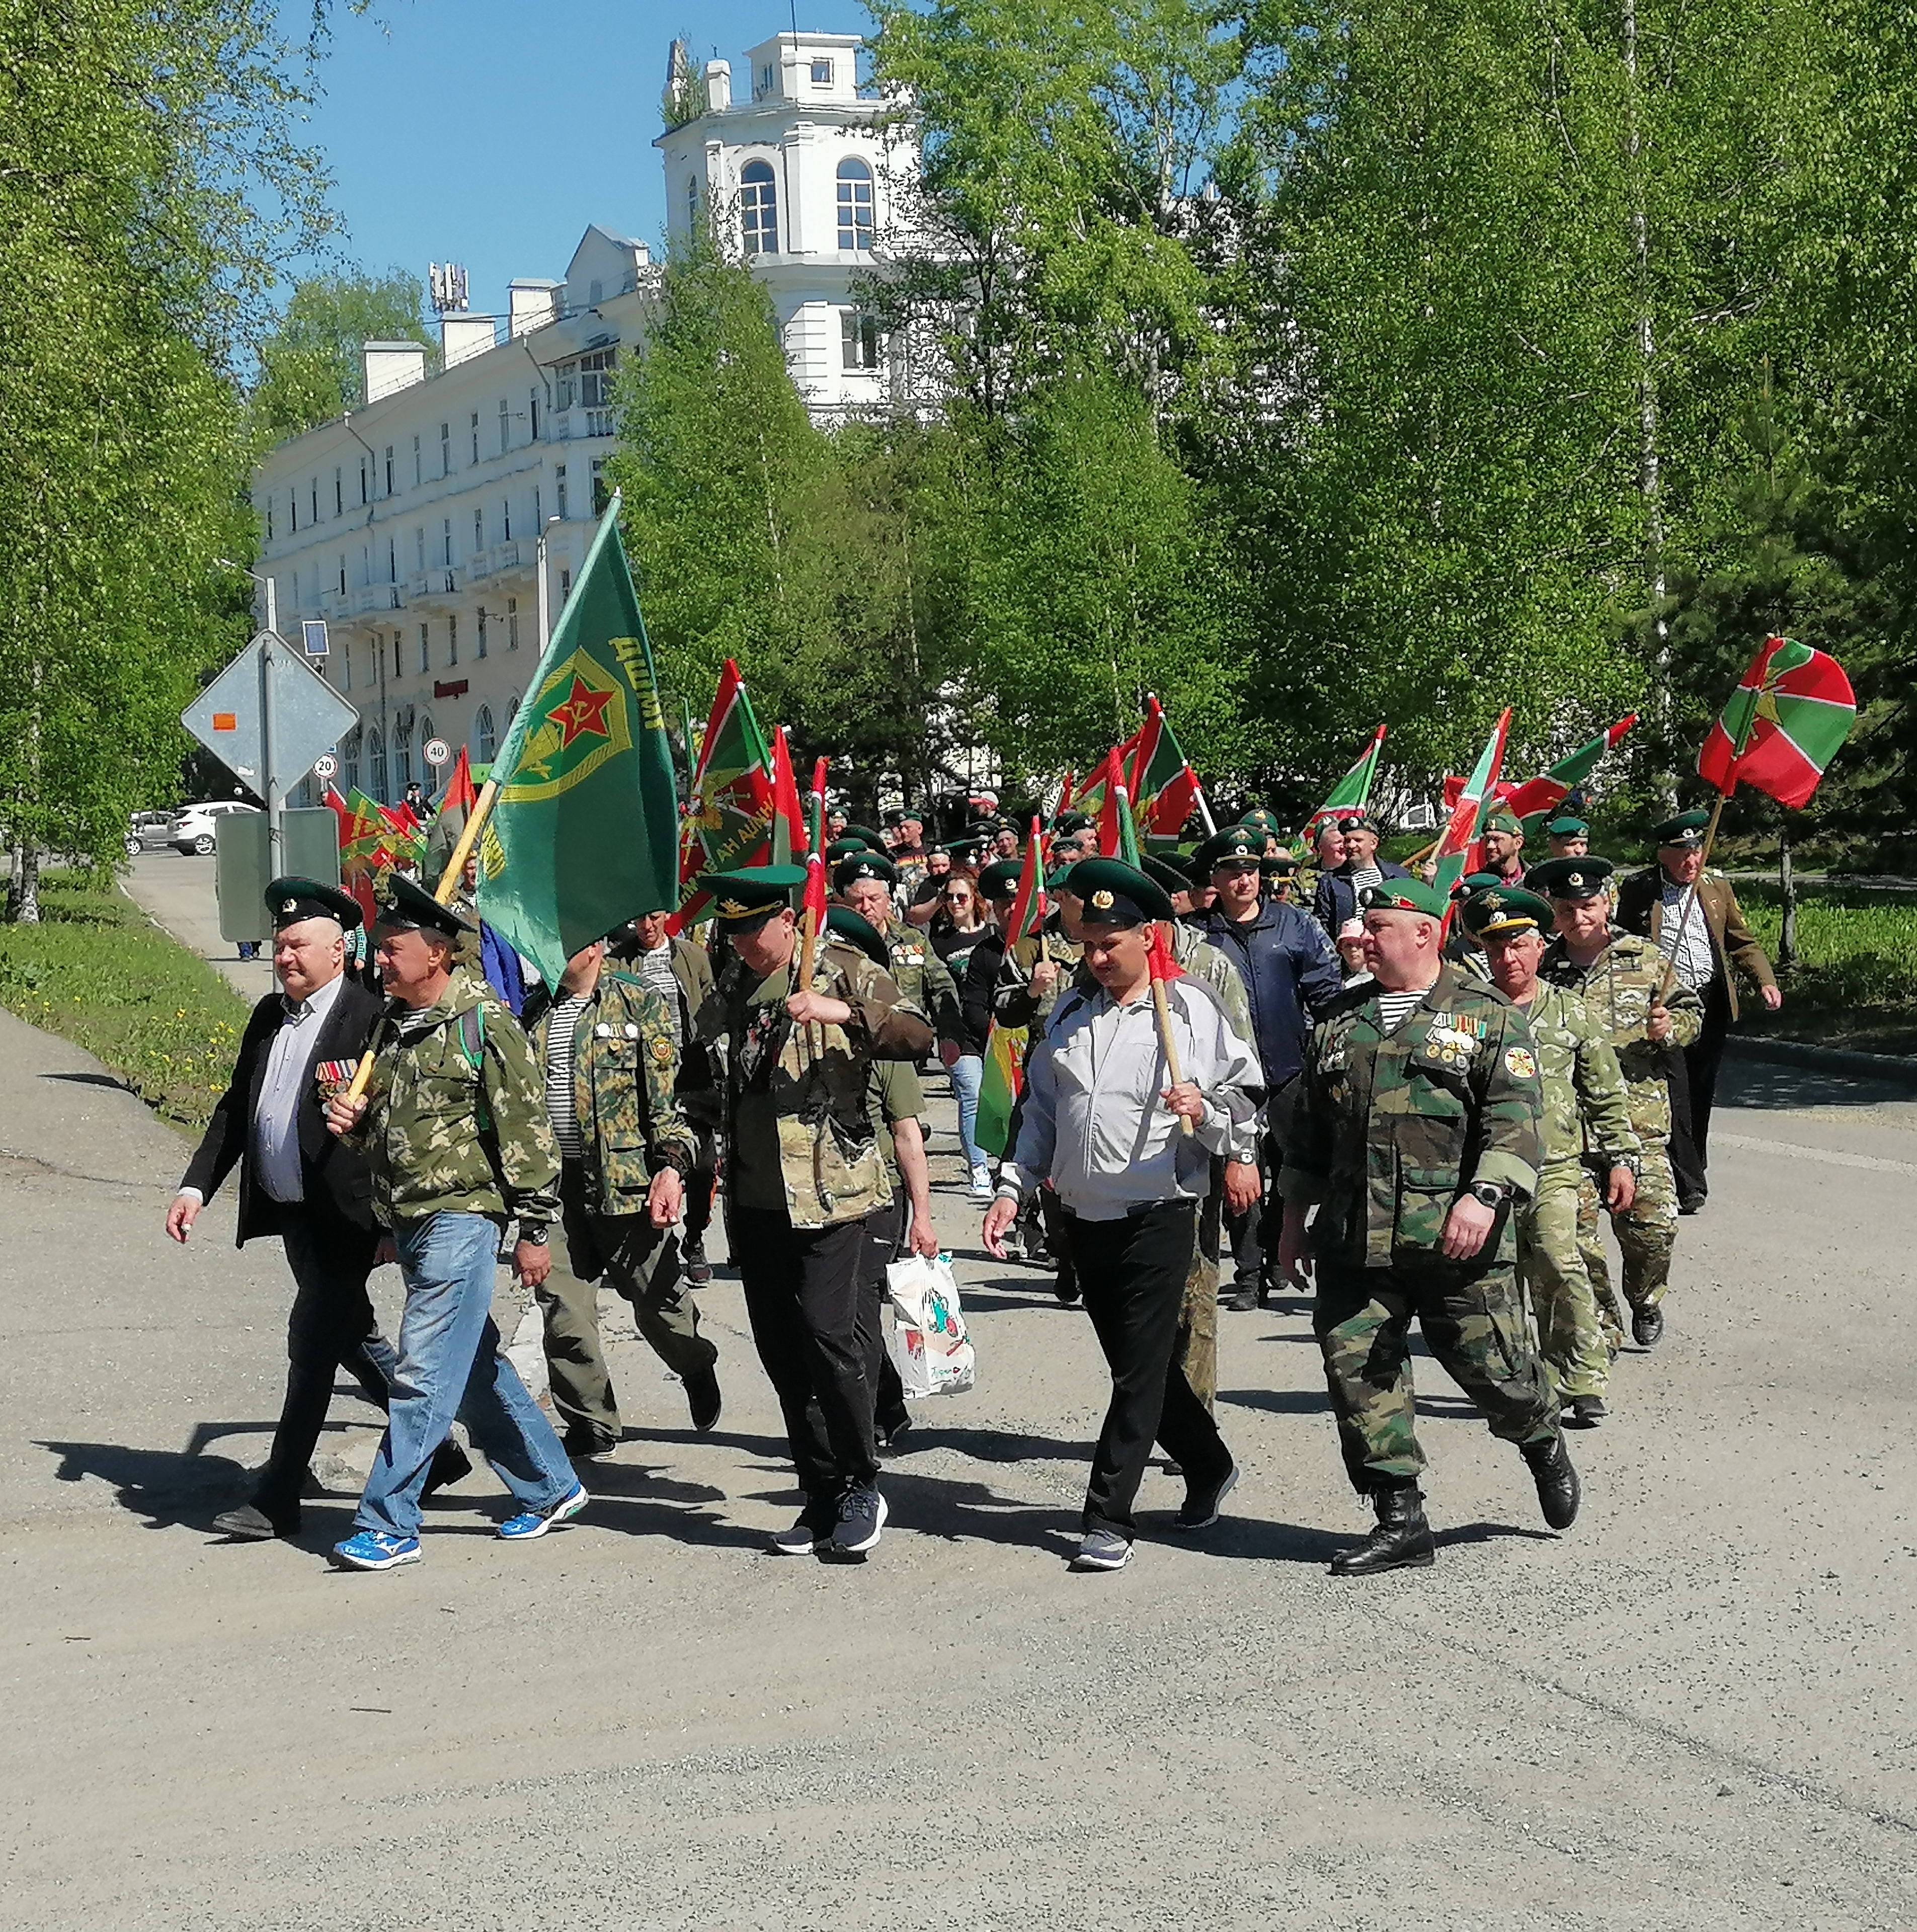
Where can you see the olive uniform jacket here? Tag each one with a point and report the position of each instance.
(1640, 909)
(335, 1178)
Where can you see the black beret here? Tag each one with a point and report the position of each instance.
(864, 866)
(1573, 879)
(405, 906)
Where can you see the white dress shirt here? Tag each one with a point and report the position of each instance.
(1686, 947)
(276, 1118)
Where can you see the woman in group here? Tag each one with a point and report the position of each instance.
(957, 927)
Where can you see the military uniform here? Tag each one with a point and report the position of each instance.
(1619, 987)
(923, 978)
(621, 1111)
(804, 1172)
(456, 1133)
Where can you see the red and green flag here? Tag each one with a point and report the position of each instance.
(1352, 792)
(730, 814)
(1465, 826)
(1537, 798)
(1791, 711)
(583, 834)
(789, 840)
(1003, 1078)
(1163, 786)
(812, 909)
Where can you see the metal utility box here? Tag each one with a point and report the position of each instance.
(310, 849)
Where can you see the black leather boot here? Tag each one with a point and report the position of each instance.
(1558, 1487)
(1401, 1541)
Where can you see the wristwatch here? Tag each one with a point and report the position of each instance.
(535, 1234)
(1490, 1194)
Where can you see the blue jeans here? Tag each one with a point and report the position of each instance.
(967, 1077)
(450, 1369)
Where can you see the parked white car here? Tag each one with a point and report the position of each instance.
(193, 830)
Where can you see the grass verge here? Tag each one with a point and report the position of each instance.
(1854, 985)
(97, 971)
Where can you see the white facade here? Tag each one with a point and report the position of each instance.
(802, 176)
(411, 526)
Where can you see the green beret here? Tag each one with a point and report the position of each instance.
(1173, 877)
(1403, 895)
(1067, 823)
(1113, 893)
(999, 880)
(1475, 882)
(1567, 828)
(1502, 818)
(1572, 879)
(1228, 848)
(291, 900)
(1498, 912)
(1262, 820)
(898, 815)
(750, 895)
(874, 841)
(864, 866)
(844, 848)
(859, 932)
(1686, 829)
(405, 906)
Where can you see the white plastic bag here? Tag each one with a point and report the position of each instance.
(928, 1342)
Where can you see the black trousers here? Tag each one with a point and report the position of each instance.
(332, 1327)
(1253, 1234)
(804, 1288)
(1132, 1272)
(1691, 1118)
(700, 1186)
(885, 1233)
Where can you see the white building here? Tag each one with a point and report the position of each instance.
(413, 525)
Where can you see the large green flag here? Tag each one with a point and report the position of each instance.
(584, 832)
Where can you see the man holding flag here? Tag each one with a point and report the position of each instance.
(1129, 1094)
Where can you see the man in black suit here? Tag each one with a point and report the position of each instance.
(299, 1182)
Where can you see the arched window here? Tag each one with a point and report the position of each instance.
(349, 761)
(855, 205)
(758, 202)
(485, 738)
(376, 764)
(402, 758)
(512, 710)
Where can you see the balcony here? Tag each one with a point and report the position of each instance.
(434, 586)
(502, 559)
(371, 597)
(570, 425)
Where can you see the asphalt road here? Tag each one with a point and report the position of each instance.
(1697, 1709)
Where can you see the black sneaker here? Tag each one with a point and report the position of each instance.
(249, 1523)
(581, 1445)
(861, 1514)
(698, 1269)
(1202, 1506)
(811, 1532)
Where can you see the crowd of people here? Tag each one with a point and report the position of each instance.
(1402, 1103)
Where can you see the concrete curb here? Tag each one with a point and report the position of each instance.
(1829, 1059)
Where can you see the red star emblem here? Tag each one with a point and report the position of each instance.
(582, 713)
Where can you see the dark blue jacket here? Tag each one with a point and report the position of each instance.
(1289, 970)
(1336, 899)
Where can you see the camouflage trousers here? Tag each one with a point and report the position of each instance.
(1571, 1336)
(1473, 1320)
(1646, 1232)
(1197, 1352)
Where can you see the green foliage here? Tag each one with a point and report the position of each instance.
(310, 365)
(1856, 985)
(134, 139)
(97, 972)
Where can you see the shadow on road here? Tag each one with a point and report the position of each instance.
(165, 1487)
(1766, 1085)
(90, 1080)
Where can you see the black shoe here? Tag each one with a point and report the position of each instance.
(249, 1523)
(702, 1397)
(582, 1445)
(1584, 1411)
(1559, 1489)
(1242, 1299)
(1647, 1327)
(1401, 1541)
(1066, 1287)
(450, 1464)
(698, 1269)
(1202, 1506)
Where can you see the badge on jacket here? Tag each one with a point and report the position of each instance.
(331, 1078)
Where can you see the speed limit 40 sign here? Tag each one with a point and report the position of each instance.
(438, 752)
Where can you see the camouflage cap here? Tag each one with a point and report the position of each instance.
(1114, 894)
(1403, 895)
(291, 900)
(864, 866)
(1501, 912)
(1685, 831)
(1570, 879)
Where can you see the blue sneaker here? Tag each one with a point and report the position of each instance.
(371, 1550)
(535, 1522)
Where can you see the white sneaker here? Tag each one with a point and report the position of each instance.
(982, 1189)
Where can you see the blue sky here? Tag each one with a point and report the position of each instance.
(492, 132)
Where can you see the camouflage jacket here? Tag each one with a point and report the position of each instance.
(1584, 1107)
(1391, 1128)
(799, 1127)
(624, 1074)
(1617, 989)
(1012, 1003)
(923, 977)
(456, 1122)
